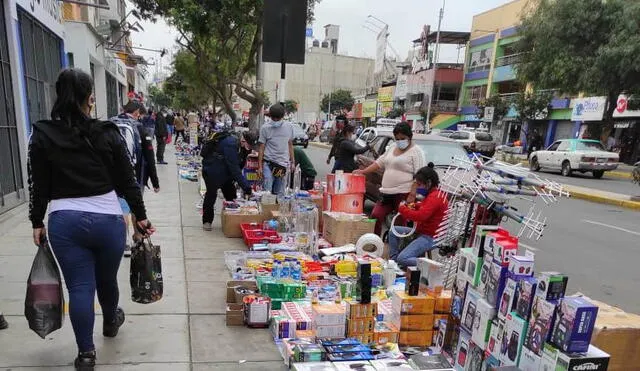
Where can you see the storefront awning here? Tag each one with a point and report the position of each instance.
(444, 121)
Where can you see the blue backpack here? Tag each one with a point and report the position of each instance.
(131, 136)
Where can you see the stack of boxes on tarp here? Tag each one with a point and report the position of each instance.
(508, 317)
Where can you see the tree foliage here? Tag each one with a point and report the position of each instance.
(290, 106)
(533, 105)
(500, 107)
(340, 100)
(589, 46)
(158, 97)
(395, 113)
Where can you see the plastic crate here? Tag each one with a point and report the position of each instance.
(250, 227)
(252, 237)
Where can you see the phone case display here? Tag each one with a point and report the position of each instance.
(574, 324)
(551, 285)
(495, 338)
(487, 261)
(480, 239)
(508, 298)
(469, 311)
(512, 339)
(495, 283)
(529, 360)
(475, 357)
(524, 296)
(540, 325)
(485, 313)
(521, 265)
(462, 351)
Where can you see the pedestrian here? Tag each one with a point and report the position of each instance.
(77, 165)
(161, 137)
(427, 214)
(306, 168)
(535, 142)
(179, 127)
(149, 123)
(247, 146)
(275, 153)
(345, 155)
(139, 147)
(400, 163)
(220, 169)
(337, 139)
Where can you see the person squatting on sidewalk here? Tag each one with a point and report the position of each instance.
(76, 166)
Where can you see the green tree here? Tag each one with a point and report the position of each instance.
(290, 106)
(589, 46)
(395, 113)
(340, 99)
(158, 97)
(500, 107)
(533, 105)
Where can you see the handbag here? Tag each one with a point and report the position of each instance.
(145, 273)
(278, 171)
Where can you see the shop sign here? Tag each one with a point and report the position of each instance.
(588, 109)
(622, 108)
(386, 94)
(402, 87)
(384, 108)
(46, 12)
(369, 108)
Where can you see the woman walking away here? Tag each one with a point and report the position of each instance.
(76, 167)
(345, 159)
(427, 214)
(399, 163)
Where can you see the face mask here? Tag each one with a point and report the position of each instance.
(276, 124)
(422, 191)
(402, 144)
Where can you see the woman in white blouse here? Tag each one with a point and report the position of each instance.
(400, 163)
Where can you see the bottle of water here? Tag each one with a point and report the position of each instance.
(276, 269)
(296, 272)
(286, 270)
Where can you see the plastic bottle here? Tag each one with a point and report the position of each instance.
(276, 269)
(286, 270)
(296, 272)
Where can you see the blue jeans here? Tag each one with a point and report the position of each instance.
(271, 183)
(416, 249)
(89, 248)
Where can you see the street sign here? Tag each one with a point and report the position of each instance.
(488, 114)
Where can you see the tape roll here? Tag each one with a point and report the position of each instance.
(370, 244)
(398, 234)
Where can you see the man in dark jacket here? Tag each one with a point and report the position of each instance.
(220, 169)
(149, 122)
(161, 137)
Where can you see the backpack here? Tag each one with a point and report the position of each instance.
(131, 137)
(210, 144)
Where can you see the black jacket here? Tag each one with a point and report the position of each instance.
(67, 162)
(161, 127)
(146, 165)
(221, 160)
(345, 155)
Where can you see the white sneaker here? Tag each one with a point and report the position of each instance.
(207, 227)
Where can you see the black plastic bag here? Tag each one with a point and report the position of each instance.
(145, 274)
(44, 302)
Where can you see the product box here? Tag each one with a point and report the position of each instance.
(540, 325)
(329, 331)
(485, 313)
(525, 296)
(529, 360)
(346, 203)
(521, 265)
(475, 357)
(574, 324)
(296, 312)
(358, 310)
(512, 339)
(235, 315)
(416, 338)
(363, 365)
(347, 348)
(416, 322)
(328, 315)
(439, 317)
(313, 366)
(231, 222)
(508, 298)
(432, 276)
(595, 359)
(391, 365)
(549, 358)
(472, 267)
(309, 353)
(469, 309)
(366, 338)
(339, 231)
(490, 363)
(462, 351)
(431, 362)
(360, 326)
(487, 261)
(443, 301)
(480, 239)
(231, 289)
(343, 183)
(385, 333)
(504, 249)
(495, 283)
(492, 237)
(551, 285)
(351, 357)
(405, 304)
(495, 338)
(282, 327)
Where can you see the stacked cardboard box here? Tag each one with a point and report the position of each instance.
(235, 308)
(340, 229)
(414, 316)
(361, 320)
(329, 320)
(345, 193)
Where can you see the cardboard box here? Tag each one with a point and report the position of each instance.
(329, 315)
(495, 283)
(385, 333)
(443, 301)
(340, 232)
(344, 183)
(485, 313)
(345, 203)
(594, 359)
(521, 265)
(552, 285)
(529, 360)
(231, 222)
(231, 285)
(512, 339)
(508, 298)
(416, 338)
(268, 209)
(366, 338)
(358, 310)
(405, 304)
(462, 351)
(235, 315)
(574, 324)
(540, 325)
(360, 326)
(416, 322)
(525, 296)
(469, 309)
(617, 333)
(480, 239)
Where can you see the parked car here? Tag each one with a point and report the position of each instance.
(571, 155)
(475, 141)
(439, 150)
(300, 138)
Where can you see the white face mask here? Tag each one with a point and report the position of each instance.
(402, 144)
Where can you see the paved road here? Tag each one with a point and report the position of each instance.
(597, 245)
(607, 183)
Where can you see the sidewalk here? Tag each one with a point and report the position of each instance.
(184, 331)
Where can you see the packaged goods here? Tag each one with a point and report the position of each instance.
(343, 183)
(475, 357)
(354, 365)
(443, 302)
(495, 283)
(309, 353)
(480, 239)
(540, 325)
(345, 357)
(231, 289)
(434, 362)
(432, 276)
(495, 338)
(594, 360)
(504, 248)
(359, 310)
(328, 315)
(471, 265)
(490, 363)
(512, 339)
(462, 351)
(344, 203)
(412, 276)
(482, 323)
(525, 296)
(416, 338)
(384, 333)
(347, 348)
(617, 333)
(508, 298)
(313, 366)
(416, 322)
(333, 342)
(487, 262)
(405, 304)
(469, 311)
(529, 360)
(551, 285)
(391, 365)
(341, 229)
(360, 326)
(329, 331)
(574, 324)
(521, 265)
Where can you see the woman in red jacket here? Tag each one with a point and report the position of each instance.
(427, 214)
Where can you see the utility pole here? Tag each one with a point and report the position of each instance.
(435, 67)
(260, 80)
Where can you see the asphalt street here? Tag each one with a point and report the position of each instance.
(597, 245)
(606, 183)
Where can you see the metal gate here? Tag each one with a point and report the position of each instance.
(112, 95)
(42, 64)
(11, 185)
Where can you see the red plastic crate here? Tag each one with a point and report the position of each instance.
(250, 227)
(252, 237)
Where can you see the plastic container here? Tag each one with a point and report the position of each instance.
(252, 237)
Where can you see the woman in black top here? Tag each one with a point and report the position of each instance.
(77, 165)
(347, 150)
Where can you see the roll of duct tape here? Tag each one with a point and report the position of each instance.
(370, 244)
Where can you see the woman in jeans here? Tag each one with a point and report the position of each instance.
(399, 163)
(427, 214)
(77, 165)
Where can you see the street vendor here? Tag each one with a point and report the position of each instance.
(427, 214)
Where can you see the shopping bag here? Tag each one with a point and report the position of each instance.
(168, 140)
(44, 302)
(145, 274)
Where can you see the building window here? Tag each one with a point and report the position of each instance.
(70, 60)
(112, 95)
(480, 60)
(475, 94)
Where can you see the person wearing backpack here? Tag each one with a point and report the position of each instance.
(139, 147)
(220, 169)
(77, 166)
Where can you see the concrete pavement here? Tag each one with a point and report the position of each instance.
(184, 331)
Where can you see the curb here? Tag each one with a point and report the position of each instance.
(612, 174)
(583, 195)
(320, 145)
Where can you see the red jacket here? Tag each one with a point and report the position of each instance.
(428, 213)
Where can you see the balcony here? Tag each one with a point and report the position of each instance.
(509, 60)
(445, 106)
(509, 97)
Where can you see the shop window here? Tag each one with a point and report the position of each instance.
(480, 60)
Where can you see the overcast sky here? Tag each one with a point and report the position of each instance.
(404, 17)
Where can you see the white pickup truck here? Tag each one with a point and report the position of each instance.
(569, 155)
